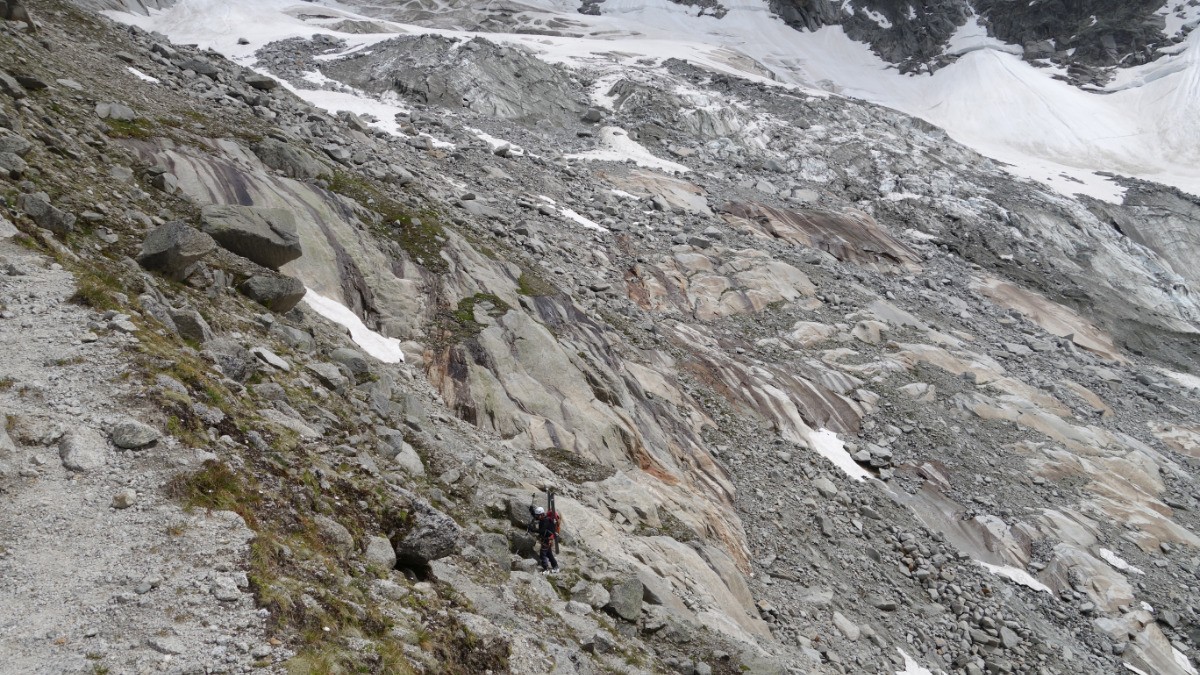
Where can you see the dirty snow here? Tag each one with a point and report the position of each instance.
(1016, 575)
(617, 146)
(827, 444)
(1118, 562)
(911, 667)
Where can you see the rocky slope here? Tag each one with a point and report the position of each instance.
(819, 389)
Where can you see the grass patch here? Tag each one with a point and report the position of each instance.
(419, 233)
(215, 487)
(6, 383)
(97, 289)
(142, 129)
(459, 324)
(534, 286)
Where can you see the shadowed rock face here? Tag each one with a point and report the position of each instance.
(852, 237)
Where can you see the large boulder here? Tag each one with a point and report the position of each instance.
(174, 247)
(131, 434)
(625, 599)
(335, 533)
(265, 236)
(380, 553)
(353, 359)
(83, 449)
(290, 160)
(434, 535)
(191, 325)
(278, 293)
(236, 362)
(38, 207)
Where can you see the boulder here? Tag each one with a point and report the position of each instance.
(353, 359)
(37, 206)
(131, 434)
(265, 236)
(335, 533)
(83, 449)
(591, 594)
(625, 599)
(291, 161)
(329, 375)
(277, 293)
(174, 247)
(380, 553)
(115, 111)
(262, 82)
(191, 326)
(434, 535)
(236, 362)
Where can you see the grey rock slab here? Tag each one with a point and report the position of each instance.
(846, 626)
(271, 359)
(329, 375)
(191, 325)
(262, 235)
(174, 247)
(166, 645)
(353, 359)
(83, 449)
(38, 207)
(290, 160)
(131, 434)
(15, 144)
(277, 293)
(826, 487)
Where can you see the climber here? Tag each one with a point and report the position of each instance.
(545, 526)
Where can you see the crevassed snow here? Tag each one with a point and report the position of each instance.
(1118, 562)
(1019, 576)
(385, 349)
(142, 76)
(911, 667)
(617, 146)
(827, 444)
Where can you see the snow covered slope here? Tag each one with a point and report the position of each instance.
(989, 99)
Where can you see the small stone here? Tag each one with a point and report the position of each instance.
(124, 499)
(133, 435)
(225, 589)
(166, 645)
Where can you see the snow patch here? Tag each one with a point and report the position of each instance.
(1188, 381)
(827, 444)
(589, 224)
(385, 349)
(617, 146)
(1016, 575)
(494, 143)
(142, 76)
(1183, 662)
(911, 667)
(1118, 562)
